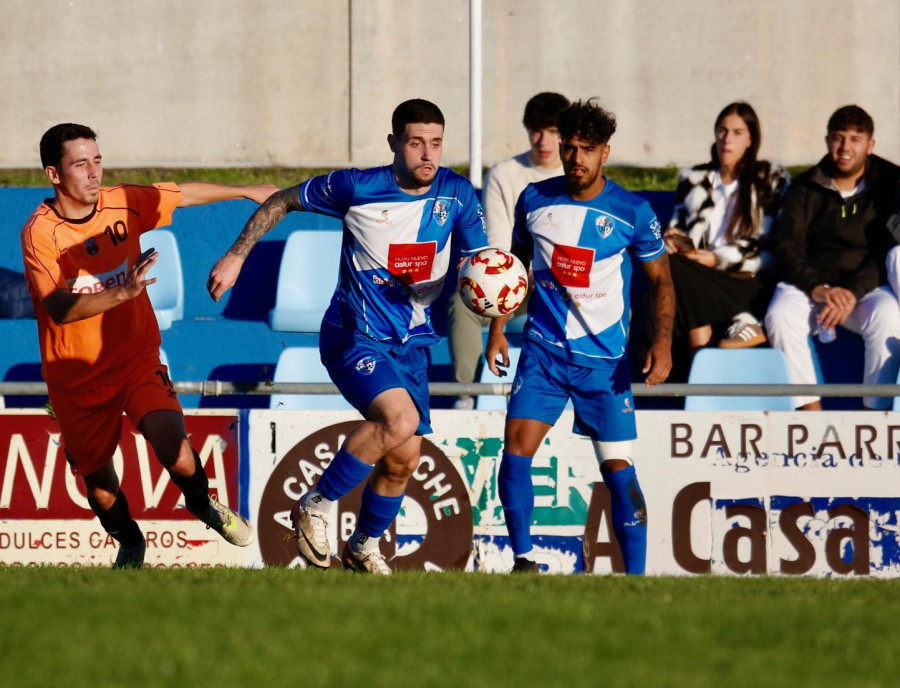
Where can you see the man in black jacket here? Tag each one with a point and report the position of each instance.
(830, 247)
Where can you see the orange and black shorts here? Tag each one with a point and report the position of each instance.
(91, 419)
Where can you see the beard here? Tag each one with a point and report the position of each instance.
(575, 185)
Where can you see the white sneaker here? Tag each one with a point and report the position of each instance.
(464, 403)
(233, 527)
(371, 561)
(311, 530)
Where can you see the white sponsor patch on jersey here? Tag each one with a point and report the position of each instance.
(94, 284)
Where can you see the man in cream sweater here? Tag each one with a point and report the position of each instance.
(503, 184)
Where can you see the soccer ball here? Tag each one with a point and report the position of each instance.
(493, 283)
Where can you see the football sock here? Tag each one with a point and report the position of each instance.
(343, 474)
(377, 512)
(195, 488)
(517, 496)
(629, 517)
(360, 542)
(315, 501)
(117, 521)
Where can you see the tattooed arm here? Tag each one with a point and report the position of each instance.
(659, 358)
(226, 270)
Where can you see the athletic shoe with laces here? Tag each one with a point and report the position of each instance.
(523, 565)
(371, 561)
(742, 335)
(233, 527)
(131, 557)
(311, 530)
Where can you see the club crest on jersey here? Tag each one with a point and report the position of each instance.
(605, 226)
(441, 212)
(366, 365)
(91, 247)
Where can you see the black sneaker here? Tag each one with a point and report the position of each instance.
(131, 557)
(523, 565)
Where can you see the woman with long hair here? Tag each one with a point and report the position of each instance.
(716, 238)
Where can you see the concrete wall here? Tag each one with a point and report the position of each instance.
(305, 82)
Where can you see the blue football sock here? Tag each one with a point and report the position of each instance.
(377, 512)
(343, 474)
(629, 517)
(517, 496)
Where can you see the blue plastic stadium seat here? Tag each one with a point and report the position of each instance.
(741, 367)
(497, 402)
(167, 293)
(306, 280)
(164, 359)
(302, 364)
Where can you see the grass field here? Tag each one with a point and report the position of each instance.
(278, 627)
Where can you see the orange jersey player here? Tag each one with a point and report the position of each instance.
(98, 334)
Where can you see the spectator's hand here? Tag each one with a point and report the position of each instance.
(224, 274)
(837, 305)
(676, 242)
(496, 353)
(261, 192)
(707, 258)
(658, 363)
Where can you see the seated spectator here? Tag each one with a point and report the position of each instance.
(829, 245)
(502, 186)
(716, 237)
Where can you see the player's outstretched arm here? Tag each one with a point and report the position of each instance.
(201, 193)
(65, 307)
(659, 360)
(226, 270)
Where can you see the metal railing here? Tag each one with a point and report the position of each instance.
(219, 388)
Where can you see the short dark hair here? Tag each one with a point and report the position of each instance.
(542, 111)
(55, 138)
(851, 117)
(587, 120)
(415, 111)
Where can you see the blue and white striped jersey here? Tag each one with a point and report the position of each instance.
(580, 305)
(395, 253)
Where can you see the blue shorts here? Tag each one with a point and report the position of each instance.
(601, 397)
(363, 368)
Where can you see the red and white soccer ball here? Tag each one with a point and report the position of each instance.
(493, 282)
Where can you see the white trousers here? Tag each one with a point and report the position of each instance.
(791, 319)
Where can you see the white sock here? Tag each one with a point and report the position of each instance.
(529, 555)
(315, 501)
(360, 542)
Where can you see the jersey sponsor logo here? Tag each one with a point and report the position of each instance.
(656, 228)
(571, 265)
(627, 408)
(94, 284)
(384, 219)
(517, 385)
(91, 247)
(412, 263)
(441, 212)
(605, 226)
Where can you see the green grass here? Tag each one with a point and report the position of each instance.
(278, 627)
(634, 178)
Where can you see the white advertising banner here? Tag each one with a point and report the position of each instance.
(45, 517)
(730, 493)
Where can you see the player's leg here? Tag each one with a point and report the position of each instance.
(629, 510)
(154, 408)
(164, 430)
(381, 501)
(537, 400)
(91, 425)
(604, 411)
(111, 506)
(391, 391)
(523, 436)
